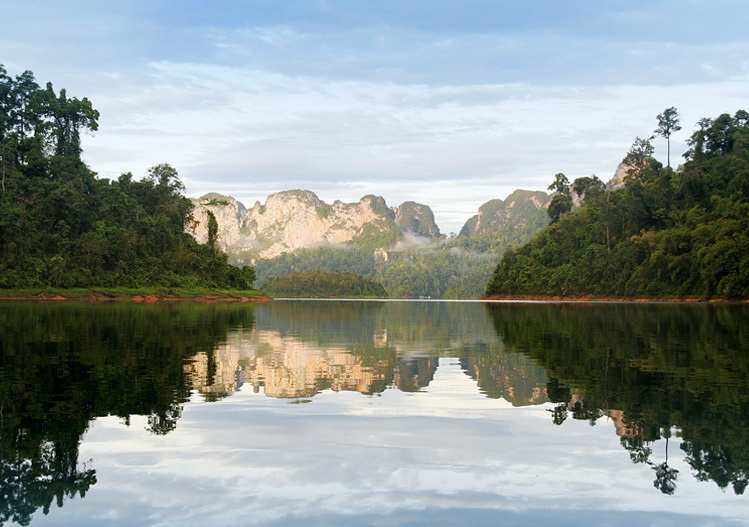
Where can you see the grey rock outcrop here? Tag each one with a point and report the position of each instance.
(417, 219)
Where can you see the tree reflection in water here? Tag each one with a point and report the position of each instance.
(61, 366)
(651, 368)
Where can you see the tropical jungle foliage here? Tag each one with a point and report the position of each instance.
(667, 233)
(61, 226)
(323, 284)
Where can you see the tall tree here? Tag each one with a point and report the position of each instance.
(668, 123)
(561, 184)
(66, 117)
(639, 155)
(586, 187)
(561, 203)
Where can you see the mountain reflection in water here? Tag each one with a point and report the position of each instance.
(299, 349)
(654, 370)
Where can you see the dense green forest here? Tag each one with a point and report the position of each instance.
(323, 284)
(62, 226)
(457, 267)
(666, 233)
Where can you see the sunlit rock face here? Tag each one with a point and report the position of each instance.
(619, 179)
(296, 219)
(516, 211)
(229, 213)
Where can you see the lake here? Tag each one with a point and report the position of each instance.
(374, 413)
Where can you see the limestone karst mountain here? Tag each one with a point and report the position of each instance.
(417, 219)
(400, 247)
(297, 219)
(230, 215)
(522, 208)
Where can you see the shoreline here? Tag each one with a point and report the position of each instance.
(602, 299)
(141, 296)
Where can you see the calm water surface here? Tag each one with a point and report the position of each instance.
(374, 413)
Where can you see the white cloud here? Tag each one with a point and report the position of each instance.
(248, 133)
(393, 99)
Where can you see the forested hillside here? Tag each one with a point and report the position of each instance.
(323, 284)
(61, 226)
(667, 233)
(437, 271)
(455, 267)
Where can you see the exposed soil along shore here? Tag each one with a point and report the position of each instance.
(590, 298)
(142, 298)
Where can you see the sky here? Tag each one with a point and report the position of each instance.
(447, 103)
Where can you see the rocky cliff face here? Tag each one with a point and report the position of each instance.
(230, 215)
(417, 219)
(297, 219)
(622, 172)
(518, 210)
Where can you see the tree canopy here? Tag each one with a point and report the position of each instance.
(323, 284)
(62, 226)
(667, 233)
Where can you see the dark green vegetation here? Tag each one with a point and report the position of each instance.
(667, 233)
(62, 365)
(437, 271)
(456, 267)
(658, 366)
(61, 226)
(130, 293)
(323, 284)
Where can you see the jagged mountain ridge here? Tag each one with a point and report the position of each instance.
(297, 219)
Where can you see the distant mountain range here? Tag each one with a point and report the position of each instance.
(298, 219)
(400, 247)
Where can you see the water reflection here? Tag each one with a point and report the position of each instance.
(655, 372)
(652, 369)
(61, 366)
(299, 349)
